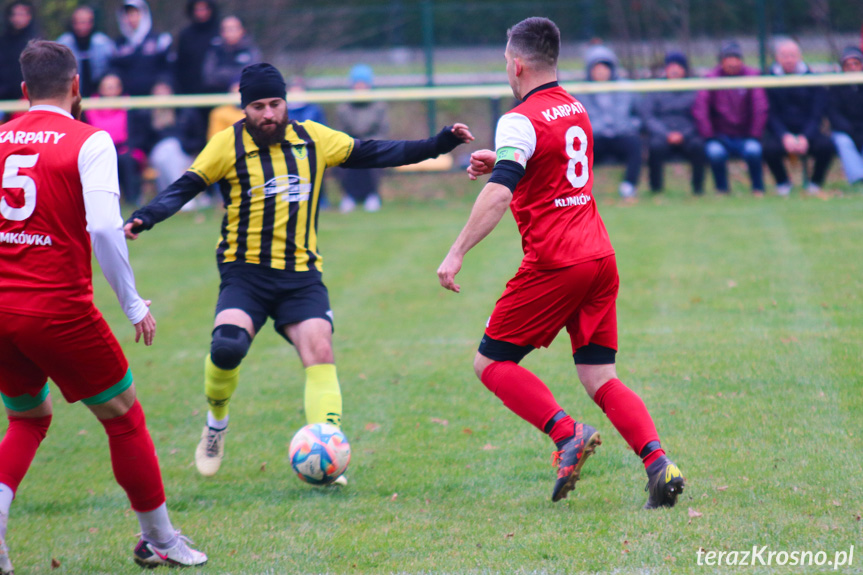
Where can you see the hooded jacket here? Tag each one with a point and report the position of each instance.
(738, 113)
(666, 112)
(611, 114)
(93, 54)
(192, 46)
(142, 55)
(12, 43)
(798, 109)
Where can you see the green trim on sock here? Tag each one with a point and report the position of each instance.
(112, 391)
(25, 402)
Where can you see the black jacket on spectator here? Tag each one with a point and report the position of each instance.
(188, 128)
(845, 110)
(12, 43)
(223, 63)
(666, 112)
(142, 55)
(796, 110)
(192, 46)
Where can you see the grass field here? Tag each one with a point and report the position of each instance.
(741, 322)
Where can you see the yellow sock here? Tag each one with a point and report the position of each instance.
(323, 397)
(219, 386)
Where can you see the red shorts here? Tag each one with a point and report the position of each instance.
(80, 355)
(536, 304)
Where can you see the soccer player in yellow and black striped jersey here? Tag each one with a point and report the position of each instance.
(270, 170)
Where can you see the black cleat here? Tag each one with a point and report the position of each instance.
(570, 458)
(664, 484)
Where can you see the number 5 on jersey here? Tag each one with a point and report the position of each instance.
(11, 180)
(578, 178)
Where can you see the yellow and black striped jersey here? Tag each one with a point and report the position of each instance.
(272, 195)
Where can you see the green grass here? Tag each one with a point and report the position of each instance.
(740, 326)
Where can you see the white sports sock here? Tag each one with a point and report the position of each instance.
(214, 423)
(6, 497)
(156, 527)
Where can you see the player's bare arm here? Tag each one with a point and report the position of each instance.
(487, 211)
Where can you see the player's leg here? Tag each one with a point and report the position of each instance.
(303, 317)
(27, 429)
(233, 332)
(313, 339)
(136, 469)
(593, 331)
(528, 315)
(24, 390)
(240, 314)
(84, 359)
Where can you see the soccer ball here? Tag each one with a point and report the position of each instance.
(319, 453)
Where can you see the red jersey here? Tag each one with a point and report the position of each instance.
(550, 135)
(44, 245)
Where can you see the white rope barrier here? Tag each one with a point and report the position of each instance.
(466, 92)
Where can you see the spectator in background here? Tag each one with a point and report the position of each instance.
(142, 55)
(845, 110)
(794, 122)
(192, 45)
(171, 138)
(228, 54)
(615, 119)
(671, 128)
(116, 123)
(20, 29)
(732, 121)
(300, 110)
(223, 117)
(365, 120)
(93, 50)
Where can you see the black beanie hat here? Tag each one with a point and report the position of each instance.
(679, 58)
(851, 52)
(260, 81)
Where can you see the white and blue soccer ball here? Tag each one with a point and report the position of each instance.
(319, 453)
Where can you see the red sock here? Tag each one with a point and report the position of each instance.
(628, 414)
(522, 392)
(19, 446)
(563, 428)
(133, 458)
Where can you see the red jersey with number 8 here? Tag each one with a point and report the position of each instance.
(549, 134)
(44, 245)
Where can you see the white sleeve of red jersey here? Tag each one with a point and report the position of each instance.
(515, 131)
(97, 164)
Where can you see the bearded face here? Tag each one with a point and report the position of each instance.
(267, 121)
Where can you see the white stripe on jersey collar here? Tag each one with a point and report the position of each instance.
(46, 108)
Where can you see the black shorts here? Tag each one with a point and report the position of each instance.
(287, 297)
